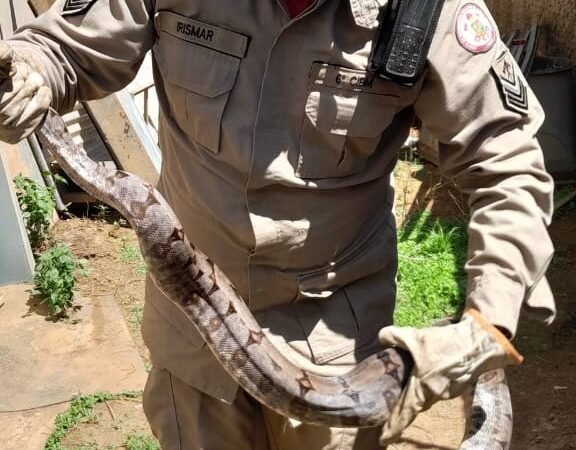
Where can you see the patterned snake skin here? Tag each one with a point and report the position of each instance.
(361, 398)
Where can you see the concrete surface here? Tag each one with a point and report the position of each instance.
(44, 363)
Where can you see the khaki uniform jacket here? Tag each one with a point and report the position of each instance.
(277, 155)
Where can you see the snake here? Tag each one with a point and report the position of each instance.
(362, 397)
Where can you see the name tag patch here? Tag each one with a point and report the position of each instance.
(198, 32)
(512, 85)
(216, 38)
(354, 80)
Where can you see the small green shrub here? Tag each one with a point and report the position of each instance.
(54, 277)
(102, 211)
(37, 204)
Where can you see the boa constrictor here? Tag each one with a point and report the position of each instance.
(361, 398)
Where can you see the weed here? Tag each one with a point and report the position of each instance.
(131, 253)
(54, 277)
(103, 211)
(431, 279)
(136, 315)
(37, 204)
(80, 408)
(92, 418)
(139, 442)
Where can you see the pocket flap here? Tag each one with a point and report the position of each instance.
(201, 33)
(330, 326)
(203, 69)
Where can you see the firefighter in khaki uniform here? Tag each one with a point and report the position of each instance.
(277, 155)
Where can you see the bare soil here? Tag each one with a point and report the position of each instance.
(111, 268)
(110, 425)
(115, 269)
(543, 388)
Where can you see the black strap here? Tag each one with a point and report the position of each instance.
(405, 31)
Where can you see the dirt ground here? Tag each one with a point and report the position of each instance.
(543, 390)
(114, 268)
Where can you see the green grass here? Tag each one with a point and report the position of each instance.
(431, 279)
(130, 253)
(139, 442)
(80, 410)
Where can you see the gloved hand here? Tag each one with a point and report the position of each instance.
(24, 95)
(447, 360)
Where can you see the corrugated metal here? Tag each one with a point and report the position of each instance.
(556, 17)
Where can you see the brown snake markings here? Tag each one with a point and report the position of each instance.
(362, 397)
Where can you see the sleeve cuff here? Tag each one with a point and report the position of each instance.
(513, 356)
(498, 298)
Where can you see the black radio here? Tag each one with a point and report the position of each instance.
(402, 41)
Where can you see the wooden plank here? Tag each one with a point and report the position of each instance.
(77, 197)
(19, 160)
(13, 14)
(85, 134)
(124, 131)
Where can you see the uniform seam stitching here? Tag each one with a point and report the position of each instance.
(172, 397)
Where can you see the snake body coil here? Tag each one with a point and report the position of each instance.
(362, 397)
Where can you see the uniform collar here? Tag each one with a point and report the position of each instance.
(365, 12)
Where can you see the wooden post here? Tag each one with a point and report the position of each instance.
(124, 131)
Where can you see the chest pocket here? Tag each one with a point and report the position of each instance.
(346, 113)
(199, 63)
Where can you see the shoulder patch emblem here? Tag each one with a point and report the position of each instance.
(512, 85)
(474, 29)
(73, 7)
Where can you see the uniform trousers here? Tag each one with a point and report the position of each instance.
(184, 418)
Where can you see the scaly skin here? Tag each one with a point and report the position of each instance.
(362, 397)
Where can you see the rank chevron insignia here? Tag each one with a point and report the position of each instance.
(512, 86)
(72, 7)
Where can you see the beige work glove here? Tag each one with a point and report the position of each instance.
(24, 95)
(447, 361)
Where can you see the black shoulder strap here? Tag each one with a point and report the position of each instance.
(405, 31)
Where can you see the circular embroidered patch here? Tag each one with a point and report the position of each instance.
(474, 29)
